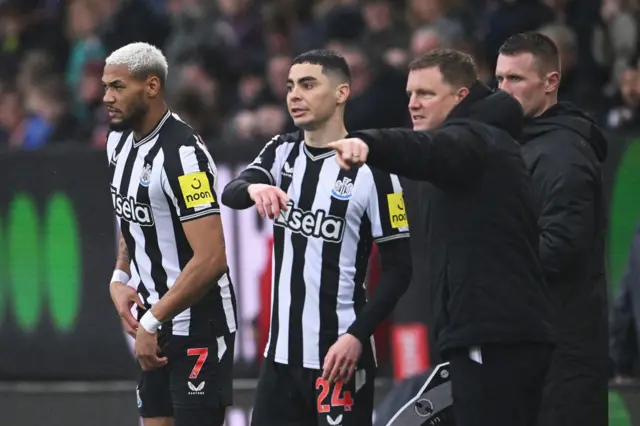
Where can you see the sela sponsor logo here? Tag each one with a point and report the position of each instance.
(131, 211)
(342, 189)
(317, 224)
(196, 390)
(145, 176)
(196, 190)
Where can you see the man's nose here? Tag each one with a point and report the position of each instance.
(413, 102)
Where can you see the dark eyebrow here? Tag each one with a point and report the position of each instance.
(302, 80)
(114, 83)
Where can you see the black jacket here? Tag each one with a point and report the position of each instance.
(564, 151)
(480, 257)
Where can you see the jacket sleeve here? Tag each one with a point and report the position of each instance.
(451, 156)
(566, 186)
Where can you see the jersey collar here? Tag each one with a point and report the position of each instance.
(313, 157)
(154, 132)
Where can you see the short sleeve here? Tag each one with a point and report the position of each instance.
(189, 180)
(268, 160)
(113, 138)
(386, 208)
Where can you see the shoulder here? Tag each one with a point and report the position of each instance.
(113, 138)
(383, 181)
(176, 133)
(559, 148)
(278, 146)
(285, 139)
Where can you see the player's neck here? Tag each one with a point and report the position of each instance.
(551, 101)
(330, 132)
(151, 120)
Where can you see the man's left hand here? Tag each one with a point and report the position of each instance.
(350, 152)
(342, 359)
(146, 349)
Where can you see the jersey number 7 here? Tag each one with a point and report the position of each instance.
(202, 354)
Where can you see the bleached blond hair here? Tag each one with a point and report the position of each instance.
(142, 60)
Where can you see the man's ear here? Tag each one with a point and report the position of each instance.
(461, 94)
(552, 81)
(342, 93)
(153, 86)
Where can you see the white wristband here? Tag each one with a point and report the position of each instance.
(120, 276)
(149, 322)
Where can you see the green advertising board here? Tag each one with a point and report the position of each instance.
(41, 267)
(624, 211)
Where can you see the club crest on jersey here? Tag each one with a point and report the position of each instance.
(342, 189)
(145, 176)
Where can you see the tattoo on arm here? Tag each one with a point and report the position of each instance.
(123, 256)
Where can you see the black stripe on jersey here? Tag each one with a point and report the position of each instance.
(203, 164)
(117, 149)
(384, 186)
(278, 254)
(185, 252)
(330, 275)
(151, 245)
(363, 253)
(267, 157)
(308, 189)
(124, 225)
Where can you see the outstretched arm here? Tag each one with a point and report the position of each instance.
(451, 156)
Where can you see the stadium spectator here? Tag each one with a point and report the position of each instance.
(625, 324)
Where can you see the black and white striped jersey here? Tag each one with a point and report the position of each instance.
(158, 183)
(322, 244)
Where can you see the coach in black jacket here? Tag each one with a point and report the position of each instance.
(488, 296)
(564, 151)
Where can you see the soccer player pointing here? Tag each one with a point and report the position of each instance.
(325, 222)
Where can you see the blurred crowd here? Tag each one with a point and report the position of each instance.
(229, 59)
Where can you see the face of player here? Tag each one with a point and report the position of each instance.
(520, 76)
(431, 99)
(313, 97)
(124, 97)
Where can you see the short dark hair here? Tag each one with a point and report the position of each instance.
(543, 49)
(329, 61)
(457, 68)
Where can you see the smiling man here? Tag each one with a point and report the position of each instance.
(564, 150)
(320, 364)
(163, 191)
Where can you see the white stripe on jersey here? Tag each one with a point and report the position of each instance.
(152, 202)
(321, 248)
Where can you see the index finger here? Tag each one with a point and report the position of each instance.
(328, 366)
(346, 151)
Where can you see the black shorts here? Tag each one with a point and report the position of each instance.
(196, 385)
(297, 396)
